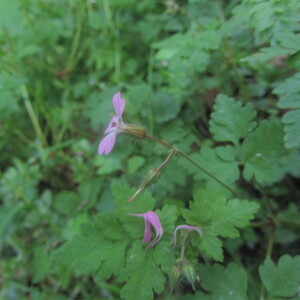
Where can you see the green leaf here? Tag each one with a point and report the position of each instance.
(230, 120)
(41, 264)
(289, 93)
(225, 169)
(113, 262)
(165, 107)
(232, 214)
(143, 277)
(266, 54)
(134, 163)
(66, 202)
(281, 280)
(224, 283)
(261, 151)
(122, 193)
(83, 253)
(217, 216)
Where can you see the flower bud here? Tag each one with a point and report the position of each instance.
(137, 131)
(151, 178)
(175, 275)
(190, 274)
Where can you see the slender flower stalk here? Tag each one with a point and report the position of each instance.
(152, 177)
(189, 228)
(151, 219)
(187, 157)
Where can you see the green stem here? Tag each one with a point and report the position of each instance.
(75, 44)
(197, 165)
(166, 160)
(33, 117)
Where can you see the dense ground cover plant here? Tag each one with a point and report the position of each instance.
(195, 192)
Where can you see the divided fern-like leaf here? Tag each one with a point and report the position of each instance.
(230, 121)
(289, 93)
(281, 280)
(142, 275)
(218, 217)
(261, 151)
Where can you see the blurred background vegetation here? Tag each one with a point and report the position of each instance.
(60, 63)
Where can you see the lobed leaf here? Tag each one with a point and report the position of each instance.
(281, 280)
(230, 121)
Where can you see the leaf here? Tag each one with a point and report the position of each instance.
(113, 263)
(266, 54)
(66, 202)
(122, 193)
(261, 151)
(289, 97)
(134, 163)
(41, 264)
(217, 216)
(230, 121)
(224, 283)
(281, 280)
(225, 170)
(165, 107)
(143, 277)
(231, 214)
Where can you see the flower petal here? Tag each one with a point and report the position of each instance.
(107, 143)
(147, 232)
(119, 104)
(151, 219)
(112, 125)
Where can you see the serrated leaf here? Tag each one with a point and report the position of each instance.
(143, 277)
(232, 214)
(164, 256)
(122, 193)
(225, 170)
(217, 216)
(266, 54)
(281, 280)
(113, 262)
(230, 121)
(41, 264)
(289, 93)
(261, 151)
(224, 283)
(66, 202)
(210, 244)
(165, 107)
(83, 253)
(134, 163)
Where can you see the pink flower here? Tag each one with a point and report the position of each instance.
(151, 219)
(186, 227)
(114, 127)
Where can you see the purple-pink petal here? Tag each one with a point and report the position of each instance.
(151, 219)
(147, 232)
(112, 125)
(119, 104)
(107, 143)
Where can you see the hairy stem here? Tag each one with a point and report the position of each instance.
(197, 165)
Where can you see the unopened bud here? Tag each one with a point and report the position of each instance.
(175, 275)
(190, 274)
(151, 178)
(137, 131)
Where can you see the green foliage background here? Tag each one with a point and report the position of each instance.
(219, 80)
